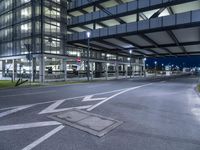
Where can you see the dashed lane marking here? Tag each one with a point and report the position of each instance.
(67, 99)
(43, 138)
(28, 125)
(52, 109)
(8, 112)
(89, 98)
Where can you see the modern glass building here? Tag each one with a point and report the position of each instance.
(47, 39)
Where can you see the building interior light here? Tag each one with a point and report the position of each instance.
(24, 27)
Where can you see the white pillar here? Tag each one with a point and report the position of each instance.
(144, 67)
(64, 68)
(42, 69)
(92, 69)
(3, 68)
(117, 70)
(14, 71)
(126, 71)
(133, 69)
(106, 67)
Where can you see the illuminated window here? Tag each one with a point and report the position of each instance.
(26, 12)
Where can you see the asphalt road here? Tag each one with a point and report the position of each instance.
(159, 114)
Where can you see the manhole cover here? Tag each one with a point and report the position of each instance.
(89, 122)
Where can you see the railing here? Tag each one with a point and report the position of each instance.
(156, 24)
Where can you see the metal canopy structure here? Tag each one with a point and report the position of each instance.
(151, 28)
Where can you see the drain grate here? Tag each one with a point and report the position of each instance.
(92, 123)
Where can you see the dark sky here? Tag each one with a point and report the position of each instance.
(190, 61)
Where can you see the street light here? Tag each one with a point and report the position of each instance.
(130, 51)
(162, 67)
(88, 59)
(155, 67)
(145, 59)
(147, 66)
(88, 34)
(144, 70)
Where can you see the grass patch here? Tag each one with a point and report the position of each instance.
(198, 87)
(9, 84)
(6, 84)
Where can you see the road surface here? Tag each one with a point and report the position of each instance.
(159, 114)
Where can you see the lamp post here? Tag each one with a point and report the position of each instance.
(147, 65)
(88, 55)
(162, 67)
(155, 68)
(130, 52)
(144, 67)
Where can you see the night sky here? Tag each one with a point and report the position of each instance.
(190, 61)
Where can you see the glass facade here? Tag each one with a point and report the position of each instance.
(33, 43)
(22, 26)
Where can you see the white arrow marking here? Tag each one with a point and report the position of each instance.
(43, 138)
(5, 113)
(28, 125)
(111, 97)
(67, 99)
(65, 109)
(52, 108)
(89, 98)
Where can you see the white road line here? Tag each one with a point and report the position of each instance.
(34, 93)
(26, 105)
(52, 107)
(71, 98)
(28, 125)
(67, 99)
(63, 109)
(43, 138)
(124, 91)
(14, 110)
(89, 98)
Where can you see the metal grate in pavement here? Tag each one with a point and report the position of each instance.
(92, 123)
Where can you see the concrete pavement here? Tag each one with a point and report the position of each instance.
(161, 114)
